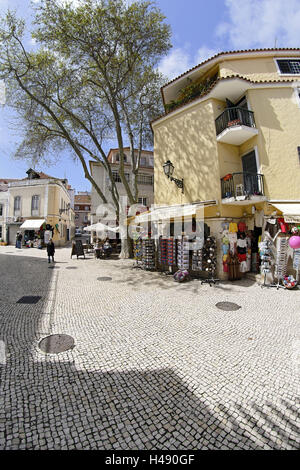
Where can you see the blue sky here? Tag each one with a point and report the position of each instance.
(200, 29)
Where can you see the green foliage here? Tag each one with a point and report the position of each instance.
(190, 92)
(91, 78)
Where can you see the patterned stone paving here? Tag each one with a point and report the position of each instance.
(156, 365)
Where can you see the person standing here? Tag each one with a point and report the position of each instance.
(50, 250)
(19, 242)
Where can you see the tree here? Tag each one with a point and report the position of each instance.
(92, 75)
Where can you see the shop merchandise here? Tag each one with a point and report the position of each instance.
(265, 256)
(210, 259)
(233, 268)
(196, 259)
(232, 242)
(171, 251)
(250, 224)
(284, 227)
(296, 262)
(259, 218)
(181, 275)
(272, 226)
(242, 227)
(162, 251)
(148, 254)
(289, 282)
(183, 254)
(233, 227)
(281, 258)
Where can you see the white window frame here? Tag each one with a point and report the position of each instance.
(143, 175)
(35, 210)
(17, 211)
(143, 200)
(286, 74)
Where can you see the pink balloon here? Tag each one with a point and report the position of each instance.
(294, 242)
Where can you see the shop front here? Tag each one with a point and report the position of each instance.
(33, 231)
(226, 248)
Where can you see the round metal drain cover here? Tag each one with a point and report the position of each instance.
(53, 267)
(104, 278)
(71, 267)
(55, 344)
(228, 306)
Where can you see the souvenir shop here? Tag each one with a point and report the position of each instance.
(260, 243)
(183, 256)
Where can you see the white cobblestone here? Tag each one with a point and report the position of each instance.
(155, 363)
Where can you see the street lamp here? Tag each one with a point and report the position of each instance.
(168, 170)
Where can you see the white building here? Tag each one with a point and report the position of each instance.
(145, 179)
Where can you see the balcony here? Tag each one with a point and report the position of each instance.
(242, 188)
(235, 126)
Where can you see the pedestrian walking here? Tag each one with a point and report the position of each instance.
(19, 240)
(50, 250)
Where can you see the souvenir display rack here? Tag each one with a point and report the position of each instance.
(148, 254)
(210, 260)
(183, 253)
(137, 251)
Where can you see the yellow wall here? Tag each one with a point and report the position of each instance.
(277, 116)
(55, 194)
(254, 69)
(189, 141)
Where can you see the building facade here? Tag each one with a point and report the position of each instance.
(231, 131)
(43, 202)
(145, 179)
(82, 208)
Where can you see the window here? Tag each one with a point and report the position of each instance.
(145, 179)
(289, 66)
(1, 209)
(116, 176)
(76, 208)
(118, 157)
(142, 200)
(17, 205)
(0, 232)
(86, 208)
(143, 161)
(35, 205)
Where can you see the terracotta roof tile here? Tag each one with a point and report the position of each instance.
(231, 52)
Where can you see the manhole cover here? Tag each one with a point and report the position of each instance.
(229, 306)
(71, 267)
(30, 299)
(53, 267)
(55, 344)
(104, 278)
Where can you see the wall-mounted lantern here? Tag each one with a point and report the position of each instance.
(168, 170)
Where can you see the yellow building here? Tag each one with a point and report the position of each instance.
(40, 202)
(231, 129)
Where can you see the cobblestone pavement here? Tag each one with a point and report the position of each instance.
(156, 365)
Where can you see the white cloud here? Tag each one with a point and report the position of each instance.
(180, 60)
(259, 23)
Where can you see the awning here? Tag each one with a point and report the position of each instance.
(291, 212)
(100, 228)
(172, 212)
(33, 224)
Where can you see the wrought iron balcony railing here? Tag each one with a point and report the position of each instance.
(234, 117)
(242, 184)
